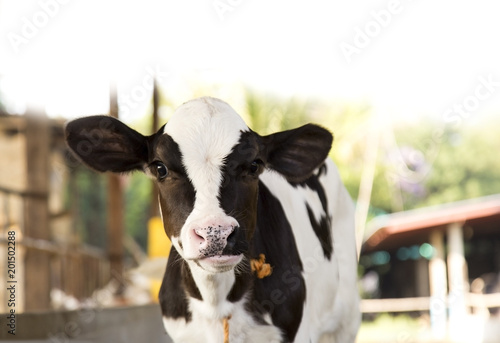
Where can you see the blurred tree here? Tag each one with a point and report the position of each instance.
(445, 164)
(138, 193)
(90, 196)
(137, 207)
(418, 164)
(349, 124)
(467, 164)
(270, 114)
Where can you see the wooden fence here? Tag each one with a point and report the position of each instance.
(472, 300)
(40, 260)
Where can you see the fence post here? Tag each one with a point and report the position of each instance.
(36, 225)
(155, 210)
(115, 212)
(457, 281)
(438, 286)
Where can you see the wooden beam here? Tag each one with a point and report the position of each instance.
(115, 211)
(56, 249)
(457, 280)
(36, 225)
(482, 300)
(424, 303)
(395, 305)
(438, 285)
(155, 126)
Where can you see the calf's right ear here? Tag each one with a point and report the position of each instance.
(296, 153)
(106, 144)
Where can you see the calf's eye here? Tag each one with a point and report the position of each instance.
(254, 167)
(161, 171)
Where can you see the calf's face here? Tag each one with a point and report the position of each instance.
(206, 163)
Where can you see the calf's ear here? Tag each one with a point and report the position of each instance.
(106, 144)
(297, 153)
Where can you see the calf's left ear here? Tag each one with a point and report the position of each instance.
(106, 144)
(297, 153)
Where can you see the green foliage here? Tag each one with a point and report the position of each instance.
(90, 203)
(91, 200)
(270, 114)
(138, 207)
(388, 328)
(460, 162)
(2, 106)
(467, 165)
(418, 164)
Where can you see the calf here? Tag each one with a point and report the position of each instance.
(228, 195)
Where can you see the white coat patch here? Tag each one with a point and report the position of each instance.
(206, 130)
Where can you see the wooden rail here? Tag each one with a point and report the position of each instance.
(395, 305)
(76, 270)
(27, 206)
(423, 303)
(482, 300)
(57, 248)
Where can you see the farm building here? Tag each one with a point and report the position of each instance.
(443, 261)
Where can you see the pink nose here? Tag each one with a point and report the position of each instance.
(212, 239)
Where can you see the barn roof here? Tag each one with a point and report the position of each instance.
(388, 232)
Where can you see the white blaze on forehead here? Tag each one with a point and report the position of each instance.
(206, 130)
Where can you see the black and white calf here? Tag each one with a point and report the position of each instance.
(228, 195)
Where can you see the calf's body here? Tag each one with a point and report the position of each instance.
(228, 195)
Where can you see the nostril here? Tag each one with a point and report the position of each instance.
(197, 233)
(198, 236)
(212, 238)
(231, 239)
(232, 235)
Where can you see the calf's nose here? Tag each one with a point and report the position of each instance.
(212, 239)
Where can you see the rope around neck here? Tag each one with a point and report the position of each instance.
(225, 326)
(261, 270)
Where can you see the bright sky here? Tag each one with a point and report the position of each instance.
(412, 57)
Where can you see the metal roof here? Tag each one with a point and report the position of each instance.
(393, 230)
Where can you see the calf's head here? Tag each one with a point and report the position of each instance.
(206, 163)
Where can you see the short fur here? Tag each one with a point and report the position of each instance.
(227, 195)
